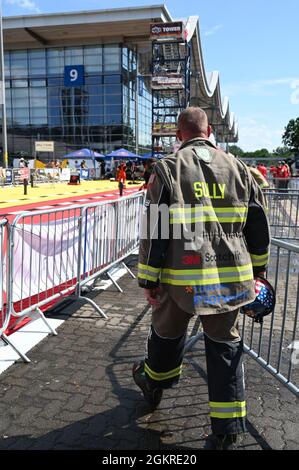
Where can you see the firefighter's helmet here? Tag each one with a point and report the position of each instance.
(264, 302)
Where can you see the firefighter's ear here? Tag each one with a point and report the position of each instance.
(179, 135)
(210, 130)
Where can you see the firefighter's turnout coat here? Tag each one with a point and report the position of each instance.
(204, 236)
(205, 231)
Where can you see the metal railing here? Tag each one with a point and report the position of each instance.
(283, 213)
(273, 344)
(53, 254)
(4, 316)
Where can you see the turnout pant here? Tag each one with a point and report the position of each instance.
(224, 356)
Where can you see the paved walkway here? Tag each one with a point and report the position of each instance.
(78, 392)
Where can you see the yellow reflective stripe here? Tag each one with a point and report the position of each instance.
(148, 272)
(183, 272)
(227, 404)
(146, 267)
(163, 375)
(192, 210)
(206, 282)
(207, 218)
(147, 277)
(234, 414)
(259, 260)
(225, 410)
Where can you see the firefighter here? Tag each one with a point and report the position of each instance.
(121, 178)
(218, 241)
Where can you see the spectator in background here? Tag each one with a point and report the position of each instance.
(83, 164)
(263, 170)
(121, 178)
(285, 175)
(149, 166)
(103, 169)
(22, 163)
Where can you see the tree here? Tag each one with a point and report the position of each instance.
(235, 150)
(290, 137)
(282, 152)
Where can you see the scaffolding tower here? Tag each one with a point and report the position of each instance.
(170, 84)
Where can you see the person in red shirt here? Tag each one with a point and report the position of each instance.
(263, 169)
(121, 178)
(285, 175)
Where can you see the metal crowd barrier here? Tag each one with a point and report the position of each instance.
(283, 213)
(53, 254)
(274, 344)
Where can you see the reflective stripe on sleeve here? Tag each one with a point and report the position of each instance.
(148, 272)
(159, 376)
(259, 260)
(224, 410)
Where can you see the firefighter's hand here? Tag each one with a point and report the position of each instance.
(153, 296)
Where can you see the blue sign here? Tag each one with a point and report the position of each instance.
(73, 75)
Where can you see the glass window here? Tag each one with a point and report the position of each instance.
(37, 62)
(112, 99)
(94, 80)
(7, 83)
(93, 60)
(7, 64)
(19, 64)
(95, 120)
(54, 120)
(38, 97)
(20, 98)
(19, 83)
(116, 78)
(111, 58)
(55, 111)
(55, 81)
(38, 115)
(55, 61)
(112, 89)
(21, 116)
(8, 99)
(74, 56)
(38, 83)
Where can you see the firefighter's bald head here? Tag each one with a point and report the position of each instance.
(193, 122)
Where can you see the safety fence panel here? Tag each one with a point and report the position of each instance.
(110, 234)
(283, 213)
(4, 311)
(43, 257)
(275, 343)
(52, 253)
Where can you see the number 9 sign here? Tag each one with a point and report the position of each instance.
(73, 75)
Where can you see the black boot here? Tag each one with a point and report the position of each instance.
(223, 442)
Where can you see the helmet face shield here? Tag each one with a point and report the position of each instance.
(264, 302)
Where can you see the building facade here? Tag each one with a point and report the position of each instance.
(100, 112)
(83, 80)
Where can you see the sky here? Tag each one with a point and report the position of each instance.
(252, 43)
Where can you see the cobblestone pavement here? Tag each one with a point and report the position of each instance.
(78, 392)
